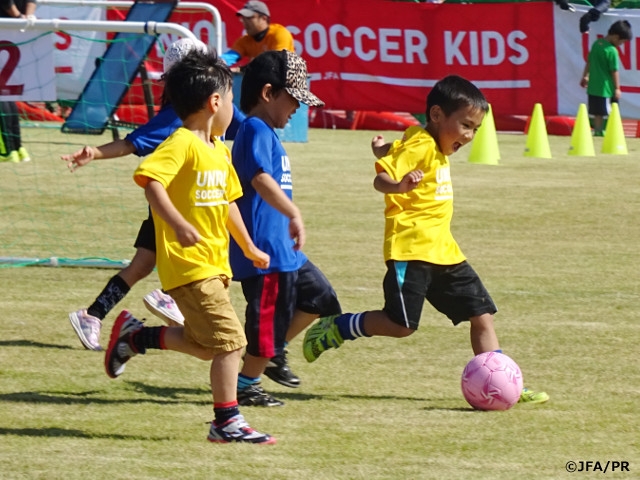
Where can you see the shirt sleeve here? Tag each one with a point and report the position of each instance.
(163, 164)
(149, 136)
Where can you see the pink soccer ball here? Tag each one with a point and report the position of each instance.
(491, 381)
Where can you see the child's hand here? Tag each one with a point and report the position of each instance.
(410, 181)
(297, 232)
(378, 147)
(259, 258)
(79, 158)
(187, 235)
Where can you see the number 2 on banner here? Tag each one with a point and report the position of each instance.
(8, 69)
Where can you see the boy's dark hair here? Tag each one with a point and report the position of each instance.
(191, 81)
(453, 93)
(621, 28)
(284, 70)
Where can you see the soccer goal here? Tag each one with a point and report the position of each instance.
(89, 218)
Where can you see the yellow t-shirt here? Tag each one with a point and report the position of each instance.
(417, 223)
(276, 38)
(201, 182)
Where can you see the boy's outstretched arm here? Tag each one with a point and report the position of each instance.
(271, 192)
(162, 205)
(238, 231)
(385, 184)
(79, 158)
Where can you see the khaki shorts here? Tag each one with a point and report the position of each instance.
(209, 318)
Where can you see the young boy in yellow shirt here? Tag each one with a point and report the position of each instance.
(191, 186)
(423, 259)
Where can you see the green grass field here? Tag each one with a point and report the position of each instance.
(554, 240)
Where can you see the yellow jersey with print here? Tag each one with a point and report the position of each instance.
(201, 183)
(276, 38)
(417, 223)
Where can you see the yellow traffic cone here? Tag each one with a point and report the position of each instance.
(581, 139)
(614, 141)
(484, 148)
(537, 141)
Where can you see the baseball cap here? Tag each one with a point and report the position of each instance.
(283, 69)
(253, 7)
(179, 49)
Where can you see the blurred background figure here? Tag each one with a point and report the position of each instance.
(261, 35)
(11, 149)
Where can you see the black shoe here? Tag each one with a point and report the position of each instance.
(278, 370)
(255, 396)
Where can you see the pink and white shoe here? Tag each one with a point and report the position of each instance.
(164, 307)
(87, 327)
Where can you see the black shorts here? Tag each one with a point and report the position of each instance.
(600, 106)
(272, 300)
(146, 235)
(455, 290)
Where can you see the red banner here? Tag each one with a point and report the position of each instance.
(384, 55)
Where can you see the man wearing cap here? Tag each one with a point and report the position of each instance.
(261, 35)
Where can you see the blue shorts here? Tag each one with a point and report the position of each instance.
(455, 290)
(272, 300)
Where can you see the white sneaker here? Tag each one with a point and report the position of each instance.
(87, 327)
(164, 307)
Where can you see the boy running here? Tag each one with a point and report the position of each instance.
(191, 187)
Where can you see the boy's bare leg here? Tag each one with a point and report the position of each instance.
(483, 335)
(299, 322)
(141, 266)
(224, 376)
(377, 323)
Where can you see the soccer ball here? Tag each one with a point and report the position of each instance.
(491, 381)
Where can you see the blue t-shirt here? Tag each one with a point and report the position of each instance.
(147, 137)
(258, 149)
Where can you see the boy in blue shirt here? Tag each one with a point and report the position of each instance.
(285, 298)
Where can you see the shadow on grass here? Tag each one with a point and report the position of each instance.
(63, 432)
(29, 343)
(171, 397)
(144, 393)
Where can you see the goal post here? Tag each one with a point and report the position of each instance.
(49, 216)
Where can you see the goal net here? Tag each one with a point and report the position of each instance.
(48, 215)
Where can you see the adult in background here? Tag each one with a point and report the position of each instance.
(261, 35)
(11, 149)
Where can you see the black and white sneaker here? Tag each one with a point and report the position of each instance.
(236, 429)
(279, 371)
(255, 396)
(120, 350)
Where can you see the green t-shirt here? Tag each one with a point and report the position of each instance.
(603, 61)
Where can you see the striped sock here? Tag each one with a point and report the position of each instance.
(244, 381)
(351, 325)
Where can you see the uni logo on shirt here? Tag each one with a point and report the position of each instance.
(213, 183)
(444, 189)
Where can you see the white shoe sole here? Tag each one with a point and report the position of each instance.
(170, 320)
